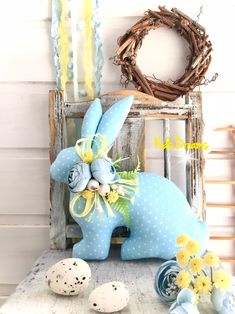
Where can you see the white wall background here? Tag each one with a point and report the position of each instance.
(27, 74)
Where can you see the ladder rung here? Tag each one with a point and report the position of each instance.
(227, 259)
(211, 181)
(230, 128)
(231, 238)
(222, 152)
(167, 116)
(216, 205)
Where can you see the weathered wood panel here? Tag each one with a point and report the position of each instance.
(129, 144)
(167, 160)
(24, 219)
(6, 289)
(195, 163)
(3, 299)
(141, 108)
(24, 120)
(58, 140)
(133, 129)
(24, 184)
(20, 246)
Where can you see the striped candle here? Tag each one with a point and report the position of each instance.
(56, 16)
(67, 33)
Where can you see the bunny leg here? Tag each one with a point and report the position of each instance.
(95, 244)
(137, 248)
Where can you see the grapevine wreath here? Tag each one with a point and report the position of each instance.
(199, 59)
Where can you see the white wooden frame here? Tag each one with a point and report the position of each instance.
(61, 232)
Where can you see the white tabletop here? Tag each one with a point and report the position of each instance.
(32, 295)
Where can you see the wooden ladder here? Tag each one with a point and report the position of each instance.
(227, 154)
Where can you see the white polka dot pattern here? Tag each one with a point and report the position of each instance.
(91, 119)
(63, 163)
(160, 213)
(113, 119)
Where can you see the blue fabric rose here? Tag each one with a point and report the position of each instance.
(104, 171)
(165, 281)
(223, 301)
(79, 177)
(184, 303)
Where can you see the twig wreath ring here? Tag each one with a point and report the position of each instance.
(199, 59)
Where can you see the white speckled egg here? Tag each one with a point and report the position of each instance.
(70, 276)
(110, 297)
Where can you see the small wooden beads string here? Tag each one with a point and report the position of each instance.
(198, 63)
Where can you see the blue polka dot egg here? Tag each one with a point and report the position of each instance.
(165, 281)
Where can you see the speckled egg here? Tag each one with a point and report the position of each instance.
(70, 276)
(110, 297)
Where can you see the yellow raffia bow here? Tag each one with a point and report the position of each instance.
(84, 150)
(91, 203)
(89, 149)
(88, 47)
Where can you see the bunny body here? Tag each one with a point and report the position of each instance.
(155, 222)
(159, 214)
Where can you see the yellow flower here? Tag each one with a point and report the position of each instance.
(193, 246)
(183, 257)
(196, 294)
(113, 197)
(87, 194)
(203, 284)
(132, 200)
(211, 259)
(182, 240)
(183, 279)
(196, 265)
(222, 279)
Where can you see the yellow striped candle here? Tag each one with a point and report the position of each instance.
(63, 43)
(88, 48)
(74, 19)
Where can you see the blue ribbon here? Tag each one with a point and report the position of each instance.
(98, 53)
(99, 59)
(56, 14)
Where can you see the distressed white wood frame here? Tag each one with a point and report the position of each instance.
(131, 142)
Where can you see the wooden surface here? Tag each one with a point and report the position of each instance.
(27, 73)
(32, 296)
(25, 161)
(58, 140)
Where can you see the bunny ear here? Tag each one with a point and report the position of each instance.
(91, 119)
(113, 119)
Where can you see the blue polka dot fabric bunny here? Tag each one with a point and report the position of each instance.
(158, 211)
